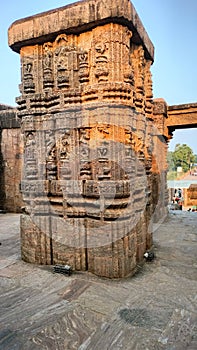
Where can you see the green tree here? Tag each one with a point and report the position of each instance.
(170, 161)
(183, 156)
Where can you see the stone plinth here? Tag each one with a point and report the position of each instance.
(190, 196)
(87, 121)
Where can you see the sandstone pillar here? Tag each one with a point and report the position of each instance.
(87, 118)
(160, 140)
(10, 160)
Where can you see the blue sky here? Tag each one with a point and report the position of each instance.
(172, 27)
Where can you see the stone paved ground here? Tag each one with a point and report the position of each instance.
(155, 309)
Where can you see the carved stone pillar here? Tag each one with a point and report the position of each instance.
(160, 167)
(86, 110)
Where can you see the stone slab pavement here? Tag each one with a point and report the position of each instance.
(154, 310)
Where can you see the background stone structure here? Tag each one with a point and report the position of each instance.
(92, 173)
(10, 160)
(190, 196)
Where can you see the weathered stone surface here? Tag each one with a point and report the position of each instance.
(182, 116)
(93, 171)
(77, 18)
(190, 196)
(156, 309)
(10, 160)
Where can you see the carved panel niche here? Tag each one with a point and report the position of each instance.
(30, 156)
(27, 75)
(83, 67)
(101, 61)
(138, 61)
(48, 80)
(66, 62)
(148, 89)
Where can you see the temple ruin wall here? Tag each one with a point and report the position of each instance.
(11, 160)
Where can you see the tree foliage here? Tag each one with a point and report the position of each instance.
(182, 156)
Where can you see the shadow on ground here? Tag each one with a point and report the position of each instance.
(155, 309)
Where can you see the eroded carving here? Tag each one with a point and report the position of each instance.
(28, 80)
(101, 61)
(83, 67)
(31, 171)
(89, 94)
(48, 78)
(139, 66)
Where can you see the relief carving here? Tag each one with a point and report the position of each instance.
(83, 67)
(48, 80)
(148, 89)
(103, 151)
(64, 146)
(61, 61)
(84, 153)
(31, 170)
(101, 61)
(30, 145)
(92, 173)
(129, 73)
(28, 81)
(63, 151)
(139, 66)
(84, 135)
(58, 161)
(51, 165)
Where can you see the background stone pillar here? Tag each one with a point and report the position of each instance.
(160, 168)
(10, 160)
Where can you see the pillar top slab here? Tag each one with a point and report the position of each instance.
(76, 18)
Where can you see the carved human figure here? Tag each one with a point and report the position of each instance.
(61, 61)
(48, 80)
(30, 146)
(62, 67)
(139, 67)
(28, 82)
(64, 148)
(52, 164)
(101, 61)
(148, 89)
(83, 67)
(30, 156)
